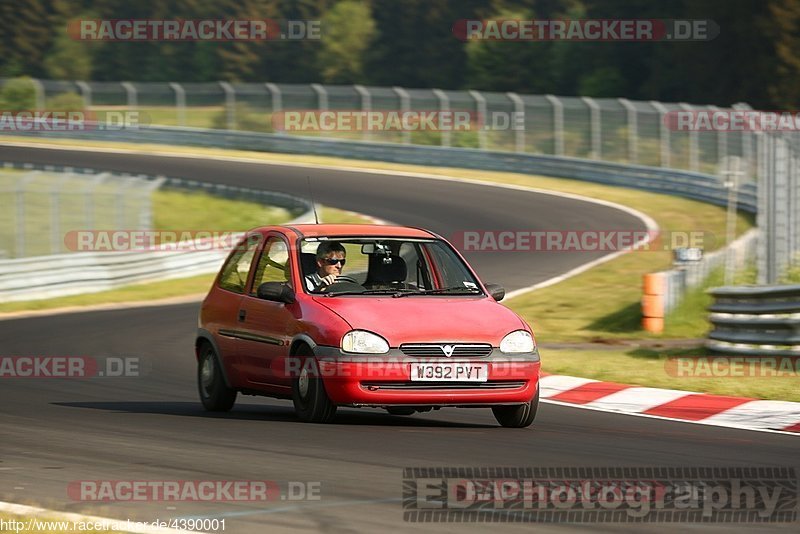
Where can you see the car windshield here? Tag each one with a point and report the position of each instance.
(385, 266)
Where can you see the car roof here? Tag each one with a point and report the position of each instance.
(356, 230)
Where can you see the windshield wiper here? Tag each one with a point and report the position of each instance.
(394, 292)
(454, 290)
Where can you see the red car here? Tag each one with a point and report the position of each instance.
(362, 315)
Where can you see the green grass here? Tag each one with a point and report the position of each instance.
(196, 117)
(179, 210)
(647, 367)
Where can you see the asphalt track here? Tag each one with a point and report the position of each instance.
(55, 431)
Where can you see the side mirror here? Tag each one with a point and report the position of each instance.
(277, 291)
(496, 291)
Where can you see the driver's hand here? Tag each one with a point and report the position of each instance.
(328, 280)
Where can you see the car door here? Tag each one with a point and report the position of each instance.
(219, 312)
(266, 326)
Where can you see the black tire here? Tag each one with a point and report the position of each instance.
(215, 395)
(311, 402)
(519, 416)
(400, 410)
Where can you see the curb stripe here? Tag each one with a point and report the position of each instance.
(589, 392)
(695, 407)
(636, 399)
(671, 404)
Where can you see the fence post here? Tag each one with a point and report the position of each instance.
(594, 127)
(276, 102)
(275, 95)
(693, 148)
(730, 171)
(86, 93)
(764, 187)
(633, 130)
(322, 96)
(38, 88)
(230, 105)
(519, 133)
(747, 143)
(146, 211)
(480, 105)
(366, 106)
(663, 132)
(130, 90)
(180, 102)
(558, 124)
(88, 198)
(405, 107)
(55, 214)
(19, 200)
(444, 107)
(780, 238)
(722, 139)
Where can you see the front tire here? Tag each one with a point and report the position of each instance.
(519, 416)
(215, 395)
(311, 401)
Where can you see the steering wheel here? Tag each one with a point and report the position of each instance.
(343, 283)
(343, 278)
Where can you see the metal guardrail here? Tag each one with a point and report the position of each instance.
(71, 274)
(693, 185)
(756, 320)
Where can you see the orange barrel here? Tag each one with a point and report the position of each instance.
(653, 303)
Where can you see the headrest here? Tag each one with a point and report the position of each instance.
(308, 263)
(381, 272)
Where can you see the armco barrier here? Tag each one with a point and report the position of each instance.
(756, 320)
(694, 185)
(61, 275)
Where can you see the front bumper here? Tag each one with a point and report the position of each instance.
(385, 380)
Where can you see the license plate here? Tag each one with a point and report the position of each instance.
(449, 372)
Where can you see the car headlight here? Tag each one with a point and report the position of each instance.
(517, 341)
(361, 341)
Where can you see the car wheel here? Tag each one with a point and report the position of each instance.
(311, 402)
(518, 416)
(214, 394)
(399, 410)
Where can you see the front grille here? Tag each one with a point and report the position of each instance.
(496, 384)
(437, 350)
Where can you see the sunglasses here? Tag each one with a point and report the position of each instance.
(334, 261)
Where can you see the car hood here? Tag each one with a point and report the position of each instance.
(427, 319)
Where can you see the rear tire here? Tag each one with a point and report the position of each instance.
(519, 416)
(215, 395)
(311, 401)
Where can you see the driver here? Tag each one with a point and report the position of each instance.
(330, 262)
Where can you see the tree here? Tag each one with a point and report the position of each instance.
(349, 29)
(68, 59)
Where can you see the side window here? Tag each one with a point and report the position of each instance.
(235, 270)
(273, 266)
(452, 271)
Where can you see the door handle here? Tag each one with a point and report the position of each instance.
(242, 315)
